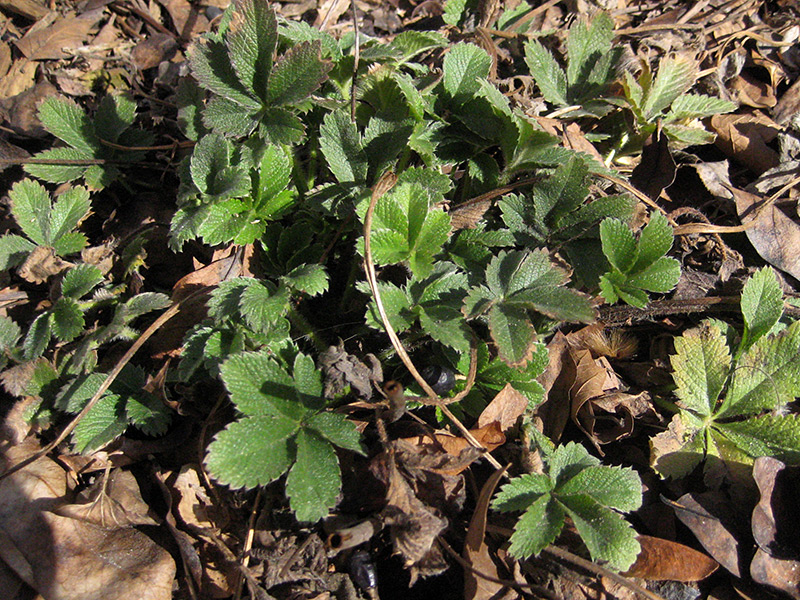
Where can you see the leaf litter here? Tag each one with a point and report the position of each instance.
(90, 531)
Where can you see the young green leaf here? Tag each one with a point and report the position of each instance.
(546, 72)
(590, 494)
(676, 74)
(762, 305)
(314, 480)
(463, 67)
(639, 266)
(406, 227)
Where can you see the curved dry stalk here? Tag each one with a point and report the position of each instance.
(140, 341)
(639, 195)
(385, 183)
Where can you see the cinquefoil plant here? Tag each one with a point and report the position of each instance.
(733, 397)
(577, 486)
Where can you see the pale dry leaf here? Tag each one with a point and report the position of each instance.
(56, 40)
(506, 408)
(476, 552)
(20, 77)
(69, 559)
(744, 137)
(661, 559)
(774, 235)
(42, 264)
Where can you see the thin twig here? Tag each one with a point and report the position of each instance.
(386, 183)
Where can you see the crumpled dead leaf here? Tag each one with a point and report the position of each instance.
(41, 264)
(71, 559)
(744, 137)
(774, 235)
(413, 525)
(53, 36)
(777, 559)
(505, 408)
(342, 369)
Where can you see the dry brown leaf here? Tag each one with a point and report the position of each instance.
(656, 169)
(776, 563)
(5, 59)
(557, 379)
(661, 559)
(789, 105)
(153, 50)
(717, 535)
(774, 235)
(194, 503)
(506, 407)
(744, 137)
(20, 77)
(476, 552)
(187, 18)
(21, 111)
(54, 41)
(41, 264)
(69, 559)
(27, 8)
(750, 91)
(111, 504)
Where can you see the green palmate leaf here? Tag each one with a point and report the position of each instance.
(463, 68)
(587, 45)
(38, 336)
(114, 115)
(697, 106)
(546, 72)
(228, 118)
(275, 171)
(569, 460)
(637, 266)
(606, 534)
(263, 306)
(13, 250)
(252, 451)
(676, 74)
(68, 320)
(762, 305)
(701, 366)
(65, 120)
(309, 279)
(446, 325)
(537, 528)
(314, 480)
(655, 241)
(306, 378)
(342, 147)
(69, 209)
(144, 303)
(102, 424)
(768, 435)
(297, 74)
(251, 40)
(407, 228)
(9, 333)
(211, 169)
(80, 280)
(60, 173)
(212, 67)
(767, 376)
(522, 491)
